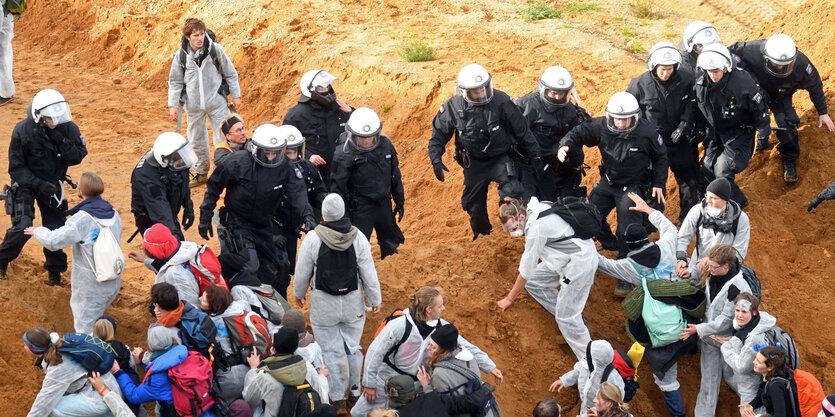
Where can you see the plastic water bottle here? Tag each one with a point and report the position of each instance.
(779, 345)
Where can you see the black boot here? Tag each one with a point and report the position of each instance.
(4, 267)
(789, 171)
(54, 279)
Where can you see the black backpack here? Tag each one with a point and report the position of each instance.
(298, 401)
(579, 213)
(751, 278)
(337, 272)
(472, 385)
(224, 86)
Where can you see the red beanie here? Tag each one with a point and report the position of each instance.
(159, 241)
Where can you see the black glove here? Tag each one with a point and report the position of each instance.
(47, 189)
(309, 224)
(188, 219)
(583, 114)
(205, 230)
(681, 132)
(398, 211)
(762, 140)
(699, 136)
(814, 203)
(279, 241)
(439, 168)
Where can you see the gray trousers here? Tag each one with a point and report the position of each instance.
(342, 354)
(198, 134)
(714, 369)
(6, 34)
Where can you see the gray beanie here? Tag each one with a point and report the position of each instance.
(333, 208)
(295, 318)
(161, 337)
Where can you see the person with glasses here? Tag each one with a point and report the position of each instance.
(722, 282)
(562, 280)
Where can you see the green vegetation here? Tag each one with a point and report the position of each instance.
(629, 33)
(638, 48)
(644, 9)
(618, 18)
(540, 9)
(416, 51)
(386, 109)
(670, 34)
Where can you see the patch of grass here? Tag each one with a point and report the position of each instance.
(638, 48)
(670, 35)
(618, 18)
(386, 109)
(539, 10)
(416, 51)
(645, 9)
(629, 33)
(581, 8)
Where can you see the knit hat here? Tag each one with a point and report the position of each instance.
(159, 241)
(635, 236)
(239, 408)
(295, 318)
(110, 319)
(721, 187)
(333, 207)
(446, 336)
(828, 406)
(227, 124)
(161, 337)
(324, 410)
(286, 340)
(401, 390)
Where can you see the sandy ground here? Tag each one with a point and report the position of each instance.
(111, 61)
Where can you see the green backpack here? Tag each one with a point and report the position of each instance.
(15, 6)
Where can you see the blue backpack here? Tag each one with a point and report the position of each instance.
(197, 328)
(92, 353)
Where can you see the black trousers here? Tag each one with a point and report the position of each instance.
(23, 216)
(144, 222)
(477, 177)
(607, 197)
(258, 253)
(368, 215)
(786, 116)
(727, 154)
(684, 163)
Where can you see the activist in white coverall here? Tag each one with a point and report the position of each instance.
(6, 34)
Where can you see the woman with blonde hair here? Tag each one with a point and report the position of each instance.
(607, 402)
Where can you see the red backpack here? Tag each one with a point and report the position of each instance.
(206, 268)
(249, 331)
(191, 385)
(809, 393)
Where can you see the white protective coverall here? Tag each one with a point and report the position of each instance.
(176, 274)
(408, 358)
(569, 264)
(64, 378)
(719, 316)
(338, 320)
(229, 382)
(89, 297)
(740, 354)
(708, 237)
(201, 84)
(587, 380)
(7, 89)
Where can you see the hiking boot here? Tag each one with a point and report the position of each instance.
(198, 180)
(763, 144)
(789, 171)
(3, 269)
(341, 408)
(4, 100)
(54, 279)
(623, 289)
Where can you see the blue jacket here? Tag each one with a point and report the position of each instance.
(156, 386)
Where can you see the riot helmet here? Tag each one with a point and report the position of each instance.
(363, 129)
(780, 54)
(316, 85)
(555, 87)
(171, 150)
(622, 113)
(698, 35)
(49, 108)
(475, 85)
(269, 143)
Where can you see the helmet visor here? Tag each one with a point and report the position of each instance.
(621, 124)
(56, 113)
(552, 96)
(477, 96)
(183, 158)
(779, 69)
(704, 38)
(269, 158)
(365, 143)
(711, 60)
(295, 152)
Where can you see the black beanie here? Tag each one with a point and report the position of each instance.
(721, 187)
(446, 336)
(286, 340)
(226, 126)
(635, 236)
(324, 410)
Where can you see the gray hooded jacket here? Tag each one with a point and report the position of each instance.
(587, 381)
(201, 83)
(628, 270)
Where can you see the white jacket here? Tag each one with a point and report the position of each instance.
(719, 312)
(624, 269)
(587, 383)
(177, 274)
(201, 83)
(64, 378)
(740, 354)
(708, 238)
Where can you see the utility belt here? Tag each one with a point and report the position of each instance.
(8, 196)
(231, 234)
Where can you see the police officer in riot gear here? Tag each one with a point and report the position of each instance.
(366, 174)
(633, 157)
(780, 70)
(42, 147)
(665, 96)
(551, 114)
(159, 185)
(697, 35)
(487, 126)
(320, 117)
(255, 183)
(734, 108)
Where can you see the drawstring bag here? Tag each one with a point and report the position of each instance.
(663, 321)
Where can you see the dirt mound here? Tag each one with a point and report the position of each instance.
(112, 60)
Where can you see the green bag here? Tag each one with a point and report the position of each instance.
(15, 6)
(663, 321)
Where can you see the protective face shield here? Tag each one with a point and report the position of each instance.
(269, 142)
(364, 128)
(715, 57)
(316, 85)
(622, 113)
(172, 151)
(555, 87)
(698, 35)
(663, 53)
(49, 108)
(295, 147)
(780, 54)
(475, 85)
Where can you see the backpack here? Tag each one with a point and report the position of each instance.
(778, 337)
(15, 6)
(191, 385)
(751, 278)
(579, 213)
(247, 331)
(387, 357)
(198, 329)
(224, 86)
(110, 261)
(298, 401)
(626, 370)
(337, 272)
(809, 393)
(206, 268)
(92, 353)
(273, 303)
(472, 385)
(663, 321)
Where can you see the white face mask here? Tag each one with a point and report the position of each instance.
(432, 323)
(713, 211)
(517, 233)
